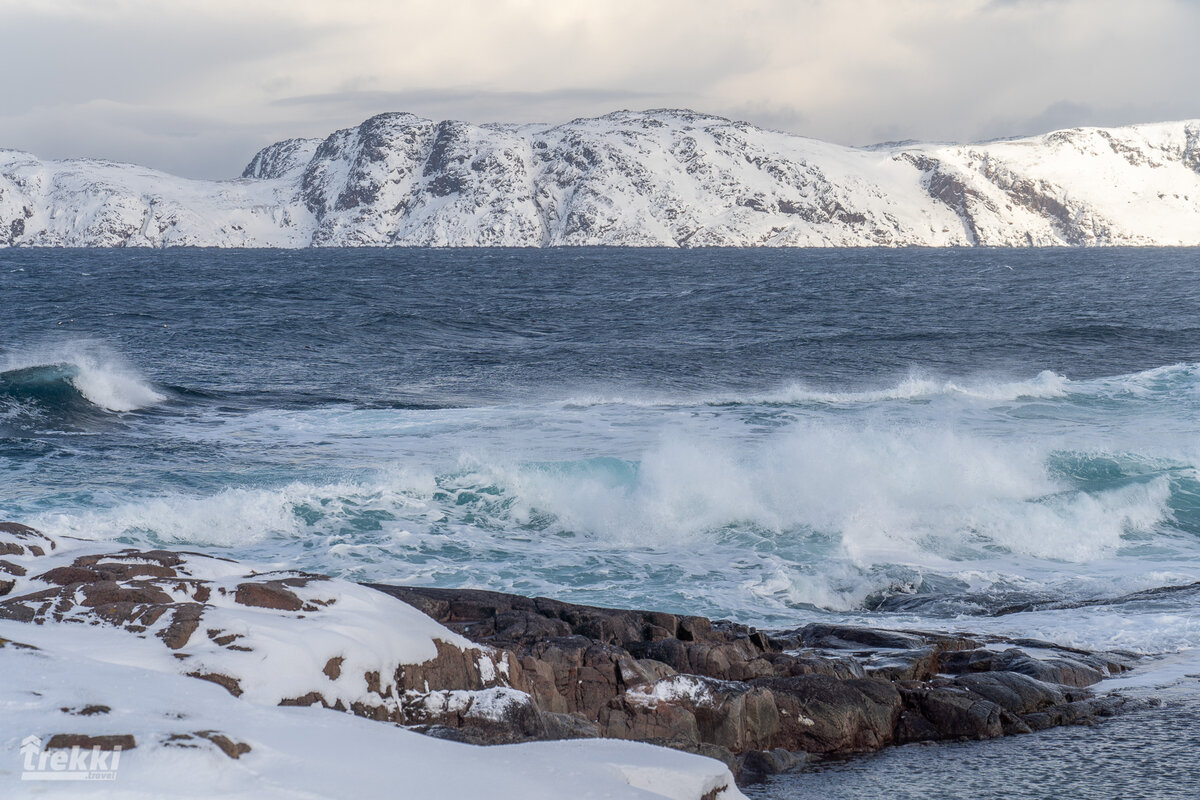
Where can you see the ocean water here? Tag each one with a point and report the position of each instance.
(987, 440)
(983, 440)
(1148, 755)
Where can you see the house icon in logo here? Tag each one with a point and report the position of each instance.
(31, 748)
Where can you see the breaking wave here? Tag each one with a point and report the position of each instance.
(919, 385)
(66, 377)
(915, 386)
(831, 517)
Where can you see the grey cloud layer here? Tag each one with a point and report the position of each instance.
(196, 87)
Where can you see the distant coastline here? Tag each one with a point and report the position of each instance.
(664, 178)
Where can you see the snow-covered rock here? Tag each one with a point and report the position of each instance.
(656, 178)
(183, 738)
(101, 650)
(269, 637)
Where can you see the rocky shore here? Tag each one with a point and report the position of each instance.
(483, 667)
(760, 701)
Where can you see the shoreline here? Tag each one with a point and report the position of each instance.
(766, 701)
(478, 667)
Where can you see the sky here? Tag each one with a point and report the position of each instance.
(196, 87)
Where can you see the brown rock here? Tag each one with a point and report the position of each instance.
(124, 572)
(229, 747)
(821, 714)
(787, 665)
(65, 741)
(758, 764)
(17, 645)
(231, 685)
(515, 719)
(87, 711)
(453, 668)
(309, 699)
(737, 659)
(65, 576)
(267, 595)
(583, 673)
(1066, 671)
(111, 593)
(22, 539)
(1013, 692)
(185, 619)
(917, 664)
(949, 714)
(623, 719)
(165, 558)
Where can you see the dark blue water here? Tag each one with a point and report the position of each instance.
(435, 327)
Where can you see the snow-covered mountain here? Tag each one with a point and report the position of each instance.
(655, 178)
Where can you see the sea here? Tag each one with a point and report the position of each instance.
(987, 440)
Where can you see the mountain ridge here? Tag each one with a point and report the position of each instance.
(666, 177)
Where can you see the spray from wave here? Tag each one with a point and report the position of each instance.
(916, 385)
(85, 370)
(831, 516)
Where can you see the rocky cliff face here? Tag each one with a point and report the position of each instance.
(657, 178)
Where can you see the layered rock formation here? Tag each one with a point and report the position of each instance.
(762, 701)
(657, 178)
(484, 667)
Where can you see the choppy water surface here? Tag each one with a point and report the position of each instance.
(916, 437)
(1149, 754)
(751, 434)
(982, 440)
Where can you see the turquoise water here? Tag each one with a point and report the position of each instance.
(912, 437)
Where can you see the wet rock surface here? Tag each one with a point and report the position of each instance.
(499, 668)
(764, 701)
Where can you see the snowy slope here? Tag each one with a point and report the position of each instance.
(187, 663)
(53, 676)
(656, 178)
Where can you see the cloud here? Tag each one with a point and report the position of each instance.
(170, 140)
(485, 105)
(197, 86)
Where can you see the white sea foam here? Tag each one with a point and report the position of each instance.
(236, 517)
(886, 495)
(104, 378)
(922, 385)
(1149, 383)
(917, 385)
(820, 515)
(987, 492)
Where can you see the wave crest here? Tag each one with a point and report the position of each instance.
(818, 517)
(914, 386)
(99, 377)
